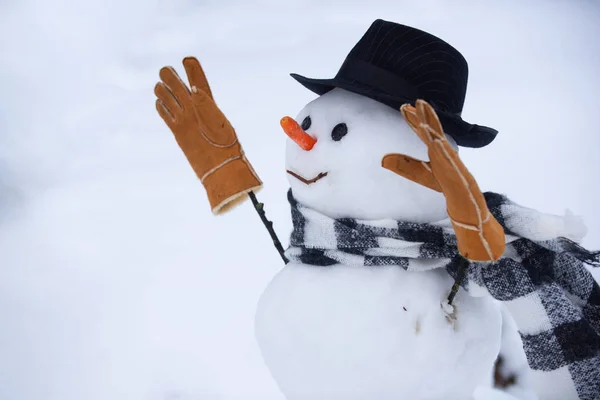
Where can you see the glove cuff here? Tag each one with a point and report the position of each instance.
(228, 184)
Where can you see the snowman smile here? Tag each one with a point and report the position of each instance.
(307, 181)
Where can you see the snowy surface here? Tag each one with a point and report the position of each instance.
(116, 281)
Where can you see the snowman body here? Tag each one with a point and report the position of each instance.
(353, 332)
(343, 332)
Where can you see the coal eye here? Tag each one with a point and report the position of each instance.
(339, 131)
(306, 123)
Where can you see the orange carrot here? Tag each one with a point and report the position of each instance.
(297, 134)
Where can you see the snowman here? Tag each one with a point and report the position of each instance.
(330, 328)
(386, 219)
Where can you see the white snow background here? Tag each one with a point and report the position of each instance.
(116, 281)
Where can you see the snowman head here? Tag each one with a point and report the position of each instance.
(333, 161)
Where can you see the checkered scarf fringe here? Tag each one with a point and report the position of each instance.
(541, 279)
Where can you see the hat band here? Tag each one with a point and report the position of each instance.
(377, 78)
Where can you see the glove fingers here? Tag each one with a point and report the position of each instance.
(164, 94)
(410, 168)
(412, 119)
(196, 75)
(410, 115)
(165, 114)
(176, 86)
(428, 116)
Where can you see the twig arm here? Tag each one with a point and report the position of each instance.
(461, 272)
(260, 209)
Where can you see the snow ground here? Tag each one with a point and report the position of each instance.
(116, 282)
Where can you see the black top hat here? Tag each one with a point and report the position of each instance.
(396, 64)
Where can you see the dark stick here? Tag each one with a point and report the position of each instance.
(260, 209)
(461, 272)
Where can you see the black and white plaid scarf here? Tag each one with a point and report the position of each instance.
(542, 278)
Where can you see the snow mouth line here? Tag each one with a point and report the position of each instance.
(304, 180)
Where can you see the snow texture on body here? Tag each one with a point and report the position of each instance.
(354, 332)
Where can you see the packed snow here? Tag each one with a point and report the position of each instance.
(349, 332)
(117, 282)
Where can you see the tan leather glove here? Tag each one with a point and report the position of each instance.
(206, 137)
(480, 237)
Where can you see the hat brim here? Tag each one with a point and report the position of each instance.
(464, 133)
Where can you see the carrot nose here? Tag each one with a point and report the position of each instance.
(297, 134)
